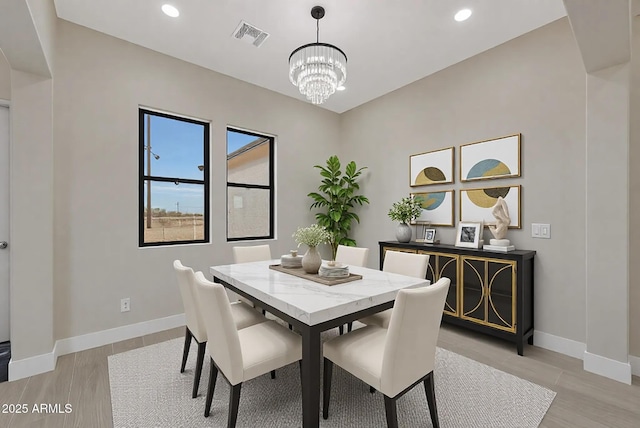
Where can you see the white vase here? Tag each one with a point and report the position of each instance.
(311, 260)
(404, 232)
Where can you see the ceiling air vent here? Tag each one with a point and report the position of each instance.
(250, 34)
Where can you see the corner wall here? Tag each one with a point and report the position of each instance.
(31, 216)
(634, 194)
(535, 85)
(100, 82)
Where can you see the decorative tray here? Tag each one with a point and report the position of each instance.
(299, 272)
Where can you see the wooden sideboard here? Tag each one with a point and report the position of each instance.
(490, 292)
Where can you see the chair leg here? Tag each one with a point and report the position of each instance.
(430, 391)
(341, 329)
(264, 312)
(273, 374)
(234, 401)
(213, 375)
(196, 378)
(185, 351)
(326, 387)
(349, 327)
(390, 410)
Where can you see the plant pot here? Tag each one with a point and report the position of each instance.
(404, 232)
(311, 260)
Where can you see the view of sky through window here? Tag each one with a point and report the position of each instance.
(176, 151)
(169, 159)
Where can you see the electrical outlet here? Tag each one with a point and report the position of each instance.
(125, 305)
(541, 230)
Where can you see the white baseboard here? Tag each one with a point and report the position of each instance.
(32, 366)
(607, 367)
(635, 365)
(112, 335)
(46, 362)
(593, 363)
(559, 344)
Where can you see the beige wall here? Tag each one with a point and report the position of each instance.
(634, 194)
(607, 203)
(5, 78)
(31, 216)
(99, 83)
(534, 85)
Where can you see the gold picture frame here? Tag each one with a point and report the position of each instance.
(434, 167)
(490, 159)
(437, 208)
(477, 204)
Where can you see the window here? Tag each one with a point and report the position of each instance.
(250, 190)
(174, 179)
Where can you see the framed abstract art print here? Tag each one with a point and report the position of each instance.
(497, 158)
(434, 167)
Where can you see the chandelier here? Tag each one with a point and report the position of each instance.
(317, 69)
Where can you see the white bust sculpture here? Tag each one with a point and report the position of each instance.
(499, 229)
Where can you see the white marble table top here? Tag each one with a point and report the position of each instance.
(312, 302)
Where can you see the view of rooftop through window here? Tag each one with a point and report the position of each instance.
(249, 185)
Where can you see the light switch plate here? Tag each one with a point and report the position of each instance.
(541, 230)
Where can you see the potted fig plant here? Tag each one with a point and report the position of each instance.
(404, 211)
(337, 196)
(312, 236)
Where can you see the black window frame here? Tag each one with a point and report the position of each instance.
(270, 186)
(142, 112)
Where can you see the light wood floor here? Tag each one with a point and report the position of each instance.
(584, 400)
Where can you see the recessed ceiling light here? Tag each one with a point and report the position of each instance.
(340, 88)
(170, 10)
(462, 15)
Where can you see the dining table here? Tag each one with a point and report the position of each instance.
(311, 307)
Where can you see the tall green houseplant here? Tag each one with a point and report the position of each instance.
(337, 195)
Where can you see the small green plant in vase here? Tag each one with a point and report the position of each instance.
(404, 211)
(312, 236)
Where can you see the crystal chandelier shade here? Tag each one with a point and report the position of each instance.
(317, 69)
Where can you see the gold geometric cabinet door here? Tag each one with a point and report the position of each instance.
(442, 265)
(489, 292)
(501, 287)
(472, 290)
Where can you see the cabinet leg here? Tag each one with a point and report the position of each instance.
(520, 345)
(530, 340)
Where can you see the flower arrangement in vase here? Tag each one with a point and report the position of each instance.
(312, 236)
(404, 211)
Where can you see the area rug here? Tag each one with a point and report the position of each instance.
(148, 390)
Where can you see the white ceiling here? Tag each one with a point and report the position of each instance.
(389, 44)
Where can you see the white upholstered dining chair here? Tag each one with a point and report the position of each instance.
(240, 355)
(351, 256)
(396, 359)
(409, 264)
(243, 316)
(251, 253)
